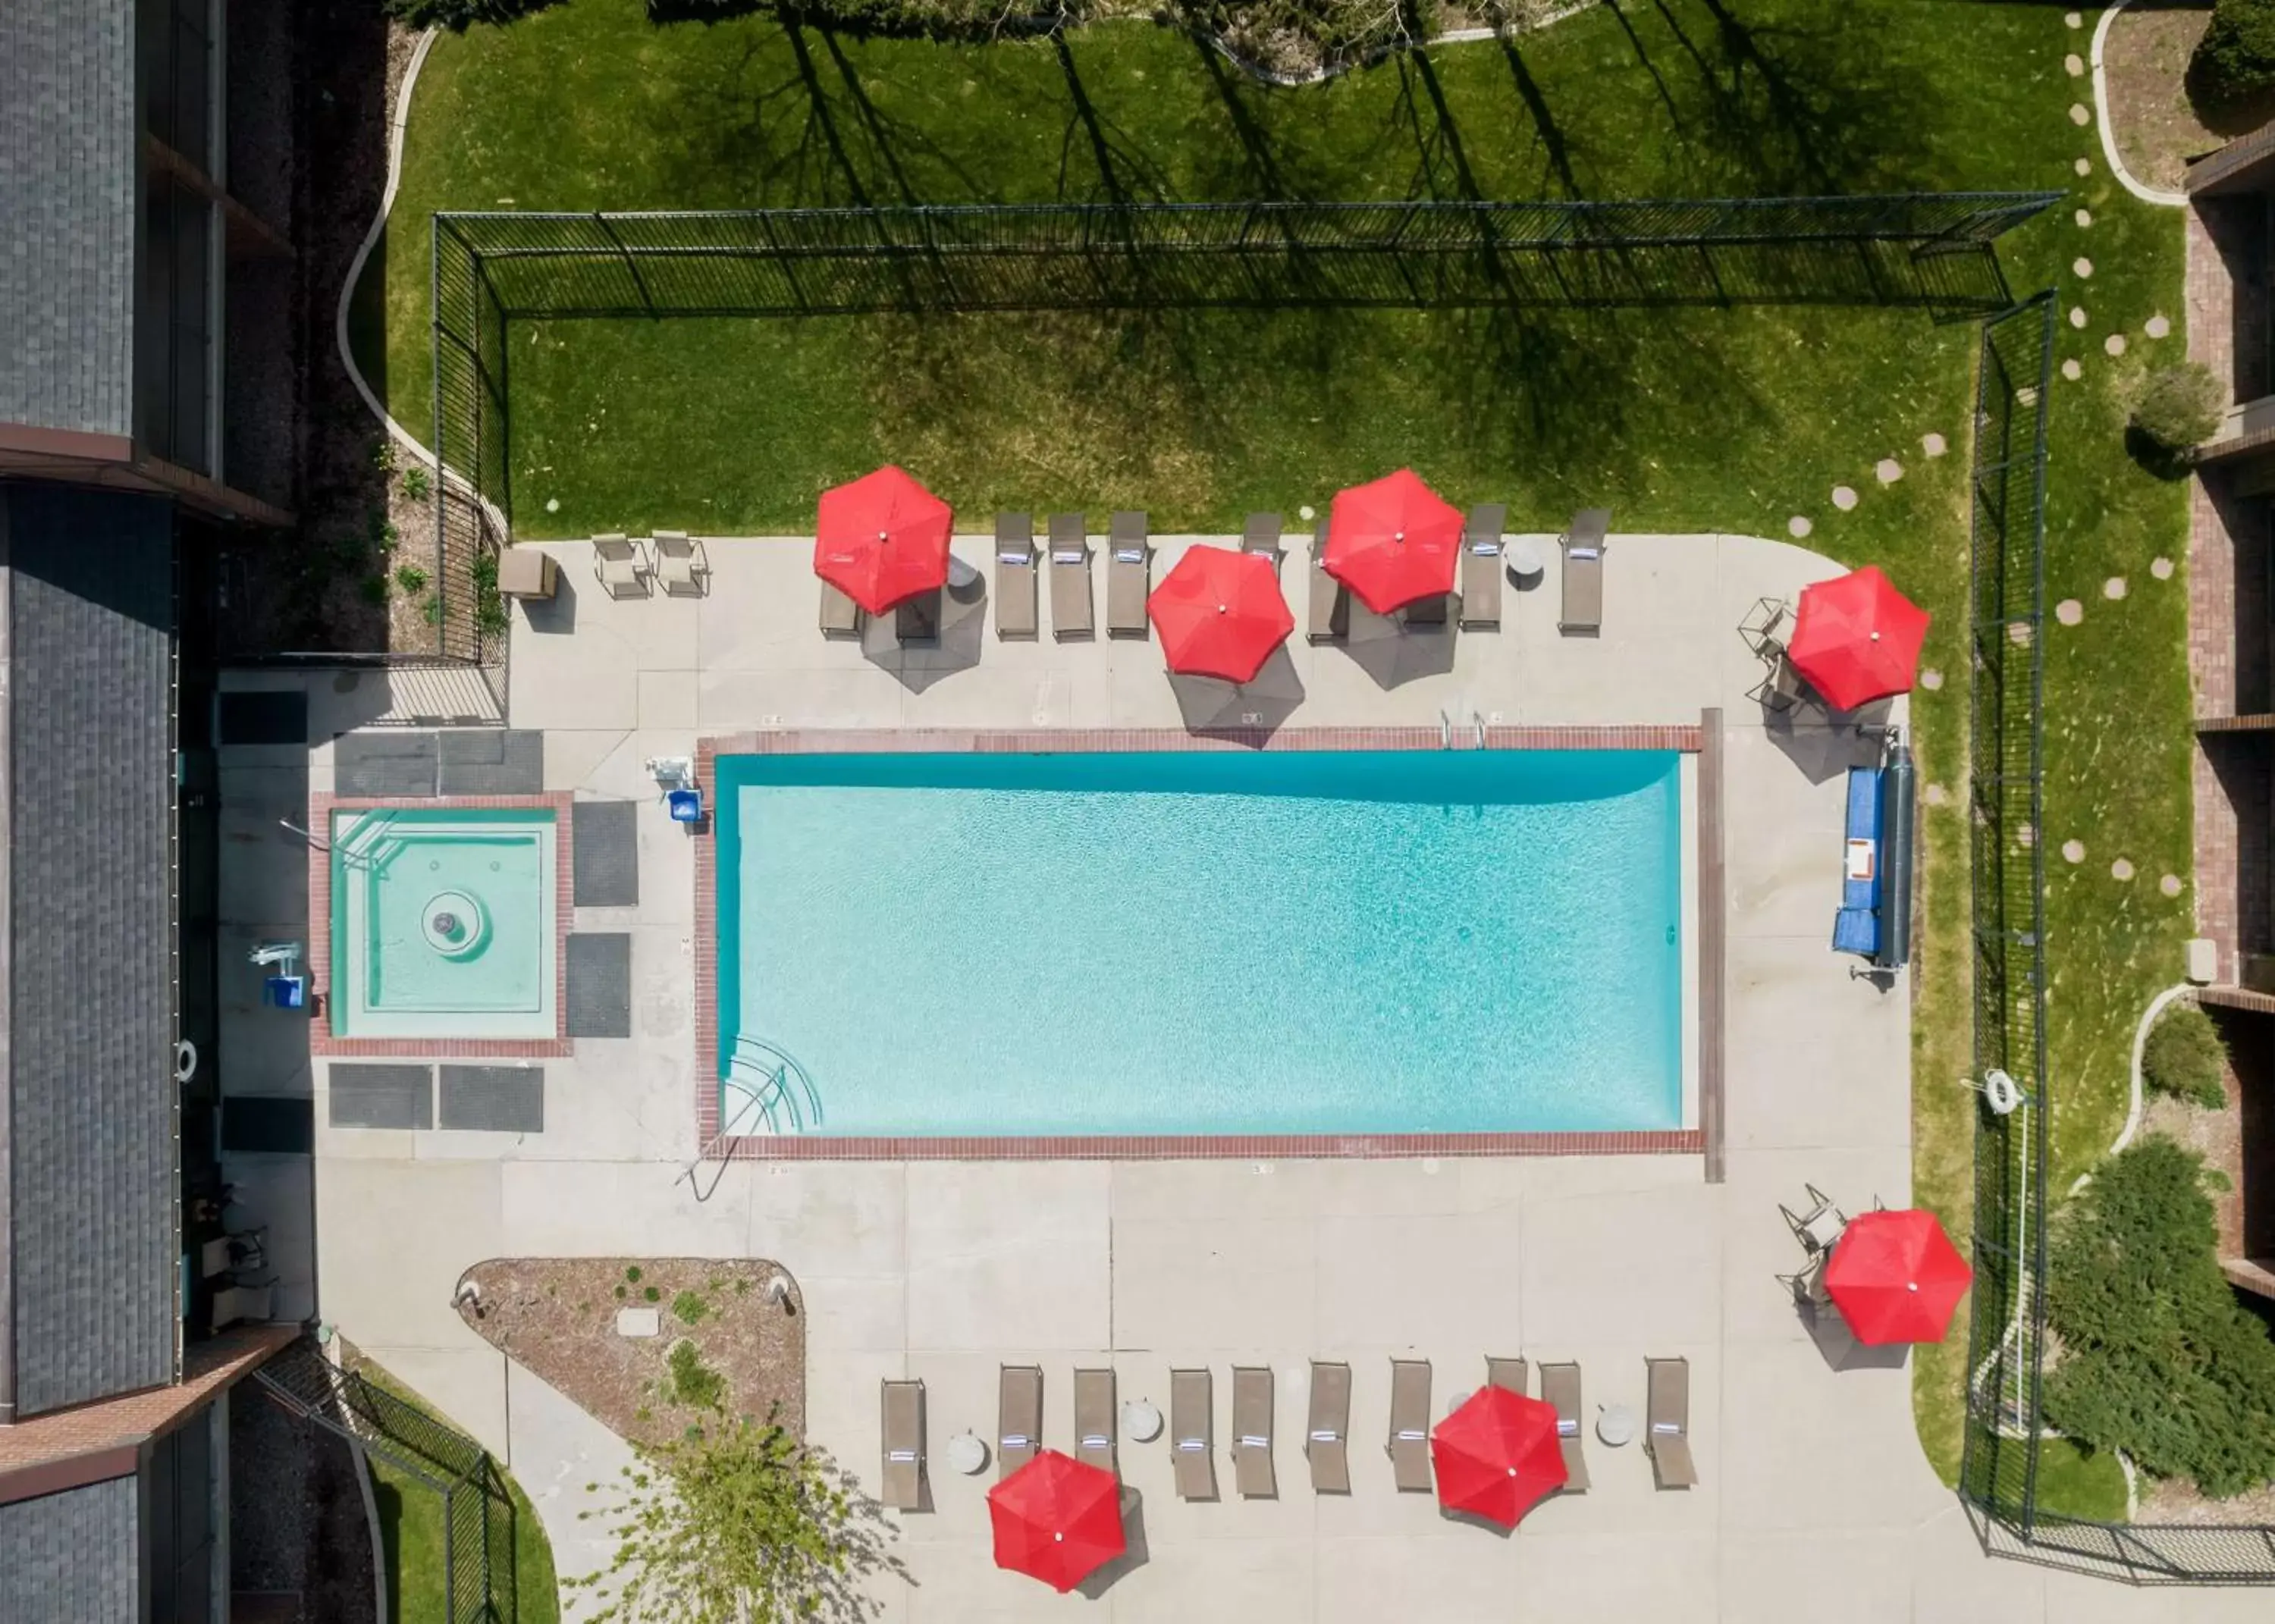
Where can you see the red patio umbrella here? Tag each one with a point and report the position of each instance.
(1394, 542)
(882, 539)
(1857, 639)
(1896, 1277)
(1497, 1456)
(1056, 1520)
(1221, 613)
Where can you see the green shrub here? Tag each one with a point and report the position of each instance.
(410, 577)
(2178, 406)
(690, 1308)
(2236, 59)
(2159, 1359)
(2184, 1057)
(693, 1383)
(458, 15)
(416, 485)
(632, 1273)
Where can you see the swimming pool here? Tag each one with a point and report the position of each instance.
(1309, 942)
(442, 923)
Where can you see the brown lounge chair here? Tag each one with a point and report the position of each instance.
(1327, 1435)
(1584, 572)
(1330, 598)
(1016, 614)
(1666, 1421)
(1071, 612)
(1252, 1433)
(1560, 1385)
(1481, 566)
(915, 621)
(1093, 1420)
(1192, 1434)
(1507, 1373)
(1262, 536)
(1018, 1417)
(840, 616)
(1410, 1424)
(905, 1444)
(1128, 577)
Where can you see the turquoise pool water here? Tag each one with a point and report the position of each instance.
(442, 923)
(1323, 943)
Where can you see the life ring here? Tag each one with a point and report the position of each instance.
(2001, 1092)
(186, 1061)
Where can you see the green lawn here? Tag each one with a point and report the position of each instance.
(1683, 421)
(411, 1524)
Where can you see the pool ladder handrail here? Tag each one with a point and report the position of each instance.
(358, 850)
(1444, 728)
(774, 1068)
(1477, 721)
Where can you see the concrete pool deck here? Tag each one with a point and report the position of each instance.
(1815, 1499)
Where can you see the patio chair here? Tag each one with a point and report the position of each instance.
(840, 616)
(1093, 1419)
(1071, 611)
(915, 621)
(1666, 1420)
(1507, 1373)
(1015, 575)
(1807, 1285)
(620, 565)
(1326, 1434)
(235, 1303)
(1780, 688)
(1818, 1228)
(1766, 627)
(903, 1432)
(1252, 1432)
(1330, 598)
(681, 563)
(1582, 613)
(1481, 567)
(1560, 1386)
(1128, 577)
(1192, 1434)
(1410, 1424)
(1425, 614)
(1262, 535)
(1018, 1416)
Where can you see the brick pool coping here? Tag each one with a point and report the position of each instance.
(322, 1040)
(1700, 1140)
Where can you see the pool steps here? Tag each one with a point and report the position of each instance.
(768, 1081)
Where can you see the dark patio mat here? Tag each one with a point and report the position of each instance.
(382, 1096)
(494, 1099)
(264, 718)
(383, 761)
(492, 761)
(600, 985)
(605, 853)
(257, 1123)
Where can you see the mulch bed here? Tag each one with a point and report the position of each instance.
(557, 1316)
(2146, 64)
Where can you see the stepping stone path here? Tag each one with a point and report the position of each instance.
(2075, 19)
(2080, 114)
(1798, 526)
(2082, 266)
(2113, 588)
(1887, 471)
(1843, 498)
(2073, 65)
(2072, 370)
(1930, 679)
(2161, 568)
(553, 504)
(2085, 216)
(1937, 795)
(2115, 343)
(2074, 850)
(1934, 445)
(2158, 327)
(2121, 870)
(2083, 166)
(1307, 512)
(2069, 611)
(2170, 885)
(2077, 315)
(2027, 836)
(2018, 632)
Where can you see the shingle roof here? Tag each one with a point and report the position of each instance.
(72, 1557)
(89, 994)
(67, 186)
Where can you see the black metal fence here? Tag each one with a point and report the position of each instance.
(2008, 1345)
(1926, 251)
(477, 1510)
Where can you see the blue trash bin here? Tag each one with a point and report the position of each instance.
(686, 804)
(288, 992)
